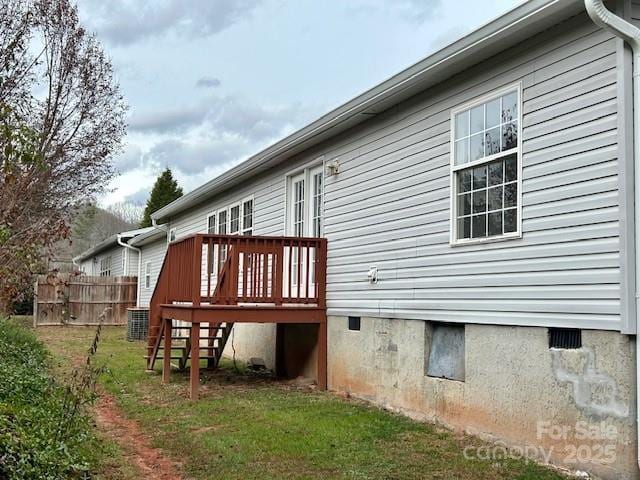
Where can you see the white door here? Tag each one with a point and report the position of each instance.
(304, 219)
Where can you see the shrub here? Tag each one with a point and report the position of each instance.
(44, 431)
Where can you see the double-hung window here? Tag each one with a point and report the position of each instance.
(147, 275)
(486, 168)
(247, 217)
(105, 266)
(234, 219)
(211, 223)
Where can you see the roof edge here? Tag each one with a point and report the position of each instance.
(396, 88)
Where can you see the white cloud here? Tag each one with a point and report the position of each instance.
(124, 22)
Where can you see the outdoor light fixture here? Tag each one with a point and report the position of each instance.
(333, 167)
(372, 275)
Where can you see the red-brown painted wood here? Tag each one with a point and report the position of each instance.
(248, 270)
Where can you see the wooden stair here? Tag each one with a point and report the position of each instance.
(215, 334)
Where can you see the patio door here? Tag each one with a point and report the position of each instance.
(304, 219)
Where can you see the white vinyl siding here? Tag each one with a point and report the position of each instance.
(152, 254)
(390, 204)
(117, 265)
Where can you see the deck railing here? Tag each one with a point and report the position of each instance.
(235, 270)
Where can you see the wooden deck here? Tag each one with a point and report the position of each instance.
(214, 281)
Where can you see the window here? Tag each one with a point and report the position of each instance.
(172, 235)
(247, 217)
(211, 223)
(231, 220)
(304, 197)
(298, 208)
(485, 169)
(222, 230)
(105, 266)
(317, 204)
(222, 222)
(147, 275)
(234, 223)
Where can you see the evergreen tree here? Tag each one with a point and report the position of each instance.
(164, 191)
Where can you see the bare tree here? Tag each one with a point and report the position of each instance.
(127, 212)
(61, 121)
(93, 224)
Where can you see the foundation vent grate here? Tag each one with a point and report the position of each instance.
(354, 323)
(567, 338)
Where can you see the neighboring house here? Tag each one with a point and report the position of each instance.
(110, 258)
(479, 213)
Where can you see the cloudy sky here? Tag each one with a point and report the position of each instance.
(210, 82)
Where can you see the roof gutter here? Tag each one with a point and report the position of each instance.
(135, 249)
(630, 34)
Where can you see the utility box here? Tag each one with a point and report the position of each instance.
(137, 324)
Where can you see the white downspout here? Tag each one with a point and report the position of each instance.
(131, 247)
(630, 34)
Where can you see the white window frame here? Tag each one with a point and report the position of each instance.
(105, 271)
(306, 172)
(229, 208)
(147, 275)
(213, 214)
(453, 220)
(253, 217)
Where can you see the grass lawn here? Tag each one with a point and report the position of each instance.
(246, 427)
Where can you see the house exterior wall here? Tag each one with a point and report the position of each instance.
(86, 266)
(91, 266)
(389, 206)
(154, 253)
(132, 263)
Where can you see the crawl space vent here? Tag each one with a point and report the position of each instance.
(567, 338)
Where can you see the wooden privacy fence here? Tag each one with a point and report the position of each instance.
(83, 300)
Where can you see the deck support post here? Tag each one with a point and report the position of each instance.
(166, 357)
(194, 374)
(322, 355)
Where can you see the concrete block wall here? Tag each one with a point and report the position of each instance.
(573, 407)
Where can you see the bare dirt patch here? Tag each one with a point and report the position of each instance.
(153, 465)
